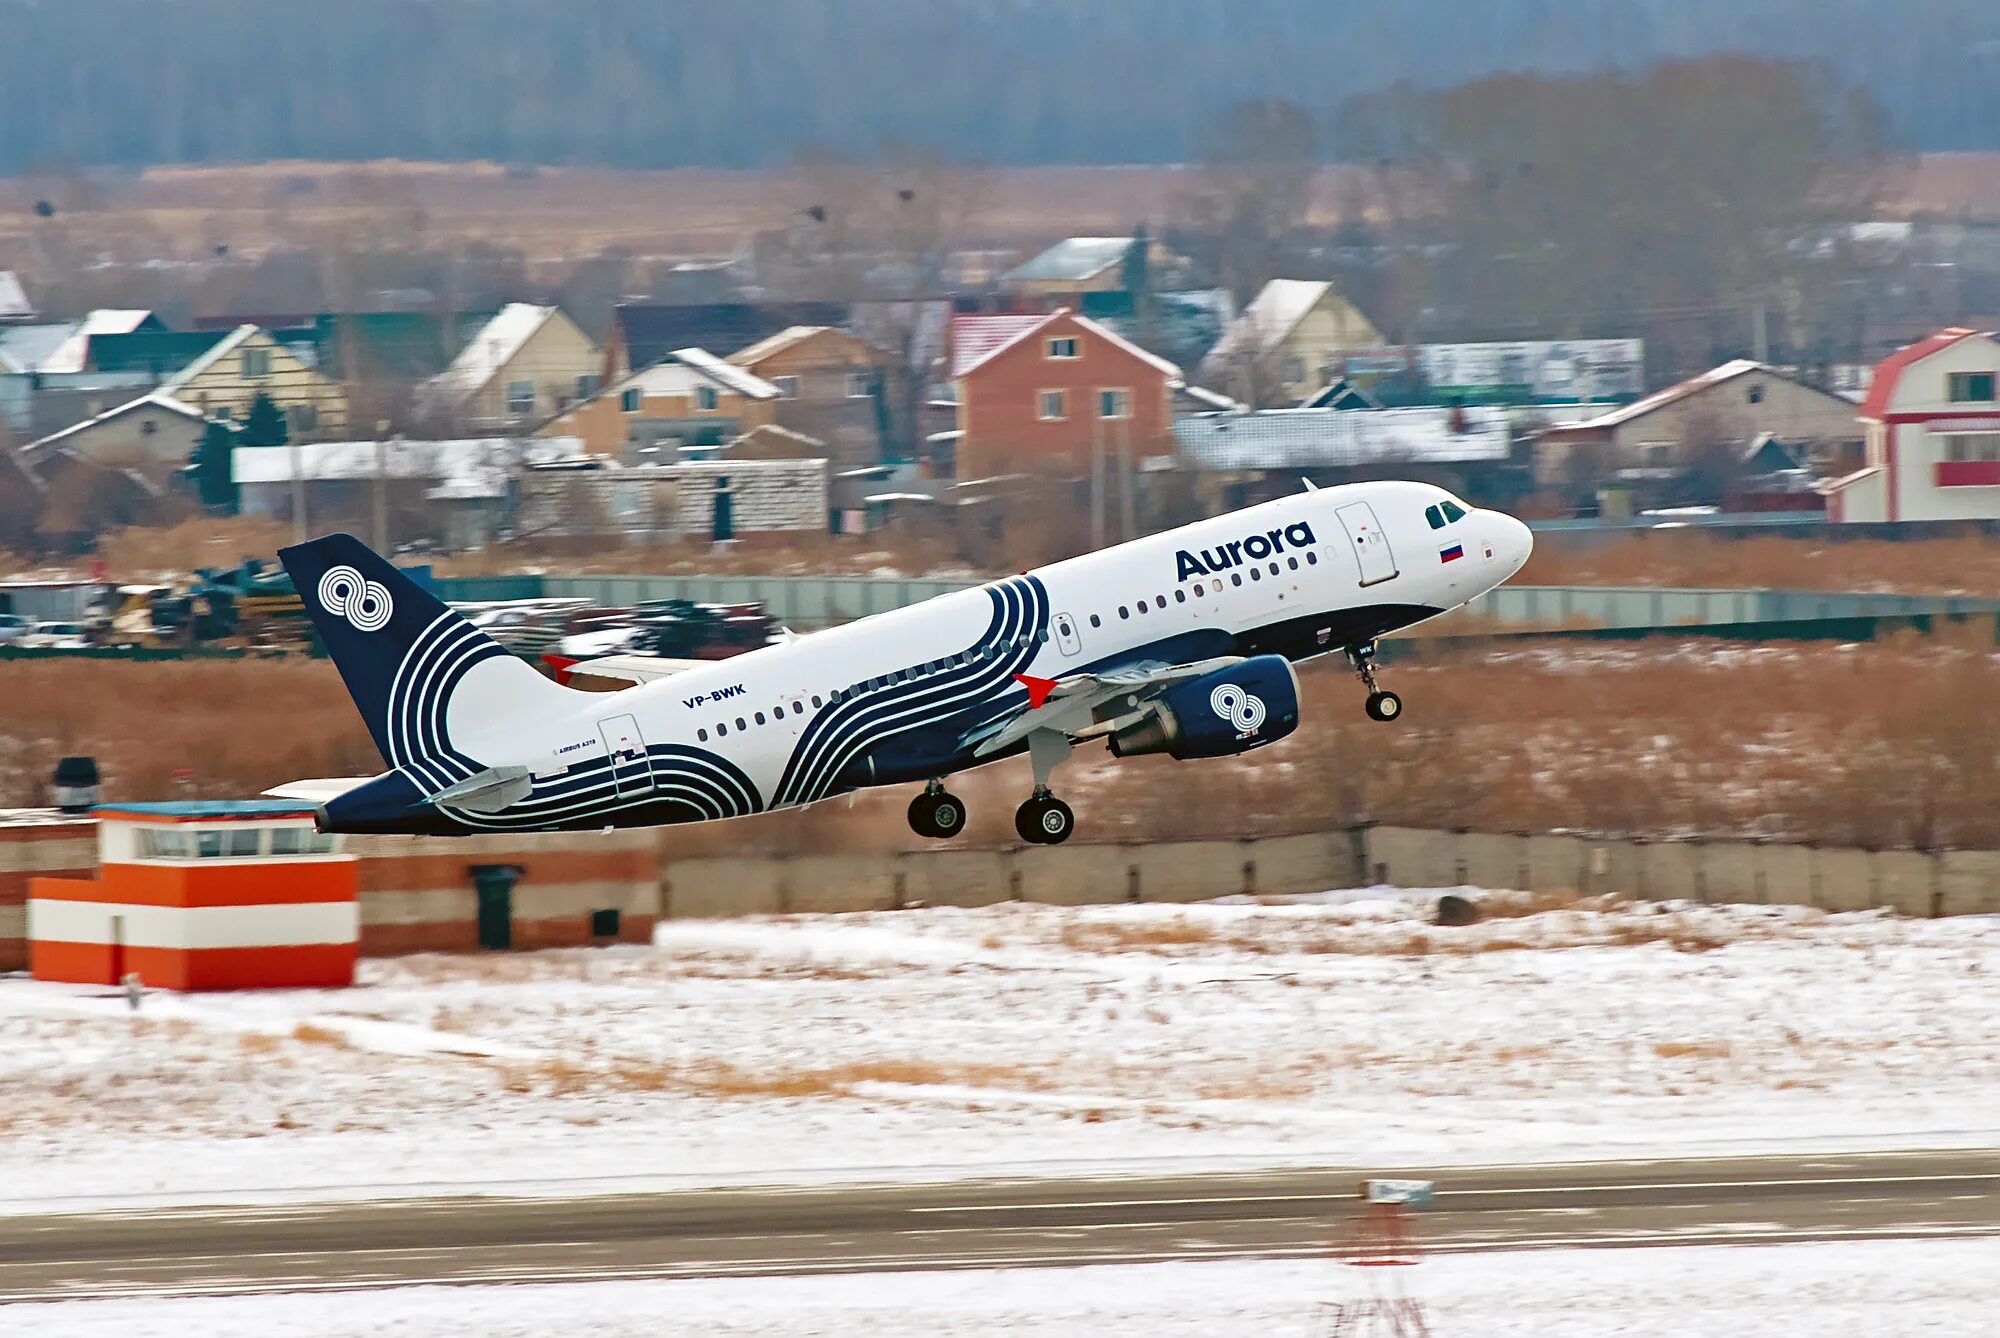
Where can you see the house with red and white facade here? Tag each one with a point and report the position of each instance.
(1933, 447)
(1049, 391)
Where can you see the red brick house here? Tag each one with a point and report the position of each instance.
(1042, 392)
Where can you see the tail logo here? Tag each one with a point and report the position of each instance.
(1241, 709)
(364, 604)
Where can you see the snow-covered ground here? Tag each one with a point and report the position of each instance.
(1942, 1289)
(1341, 1029)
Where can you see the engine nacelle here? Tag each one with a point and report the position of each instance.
(1218, 715)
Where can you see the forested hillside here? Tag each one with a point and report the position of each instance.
(748, 82)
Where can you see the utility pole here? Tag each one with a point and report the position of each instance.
(1096, 484)
(298, 493)
(1128, 524)
(381, 488)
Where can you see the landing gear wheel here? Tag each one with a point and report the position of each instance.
(1044, 821)
(1381, 705)
(937, 813)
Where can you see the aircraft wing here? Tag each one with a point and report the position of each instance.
(629, 668)
(1076, 705)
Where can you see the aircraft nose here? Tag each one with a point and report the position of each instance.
(1515, 542)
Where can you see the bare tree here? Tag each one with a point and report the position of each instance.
(881, 234)
(1254, 192)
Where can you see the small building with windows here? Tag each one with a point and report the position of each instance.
(210, 895)
(689, 398)
(1722, 411)
(222, 373)
(1051, 393)
(831, 387)
(1932, 418)
(526, 363)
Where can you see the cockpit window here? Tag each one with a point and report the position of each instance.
(1453, 512)
(1435, 516)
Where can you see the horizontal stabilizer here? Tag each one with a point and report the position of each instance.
(487, 791)
(317, 791)
(624, 668)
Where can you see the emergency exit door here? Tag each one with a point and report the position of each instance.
(631, 766)
(1370, 544)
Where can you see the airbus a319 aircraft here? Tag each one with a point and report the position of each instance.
(1180, 643)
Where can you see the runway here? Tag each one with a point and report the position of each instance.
(982, 1224)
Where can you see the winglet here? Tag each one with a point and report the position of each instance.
(1038, 689)
(1310, 485)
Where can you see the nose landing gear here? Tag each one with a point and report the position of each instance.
(1381, 704)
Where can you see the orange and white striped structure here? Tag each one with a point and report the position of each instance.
(202, 896)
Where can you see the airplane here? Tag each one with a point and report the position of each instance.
(1180, 643)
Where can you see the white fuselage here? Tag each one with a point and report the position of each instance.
(887, 699)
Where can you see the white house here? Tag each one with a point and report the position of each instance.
(1933, 447)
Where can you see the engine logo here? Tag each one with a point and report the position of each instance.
(1240, 708)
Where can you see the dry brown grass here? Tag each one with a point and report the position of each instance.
(145, 553)
(257, 1043)
(1137, 936)
(1693, 1049)
(178, 729)
(719, 1078)
(1964, 565)
(313, 1034)
(1890, 745)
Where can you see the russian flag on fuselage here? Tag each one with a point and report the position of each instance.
(1452, 554)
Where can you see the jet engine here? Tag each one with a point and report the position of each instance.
(1221, 714)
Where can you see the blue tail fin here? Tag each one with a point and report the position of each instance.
(406, 659)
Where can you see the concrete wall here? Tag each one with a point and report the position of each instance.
(417, 894)
(1911, 882)
(1068, 875)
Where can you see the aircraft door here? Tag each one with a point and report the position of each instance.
(1067, 640)
(625, 746)
(1370, 542)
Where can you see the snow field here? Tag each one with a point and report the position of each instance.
(1340, 1029)
(1942, 1289)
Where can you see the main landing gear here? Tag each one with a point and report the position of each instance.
(1044, 820)
(937, 812)
(1381, 705)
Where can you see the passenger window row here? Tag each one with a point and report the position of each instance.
(994, 650)
(991, 651)
(1214, 586)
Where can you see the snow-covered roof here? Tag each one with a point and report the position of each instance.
(775, 432)
(466, 467)
(159, 399)
(1271, 316)
(492, 348)
(1212, 399)
(974, 339)
(977, 340)
(1335, 438)
(14, 305)
(1073, 258)
(1674, 394)
(783, 339)
(28, 348)
(726, 374)
(75, 350)
(229, 343)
